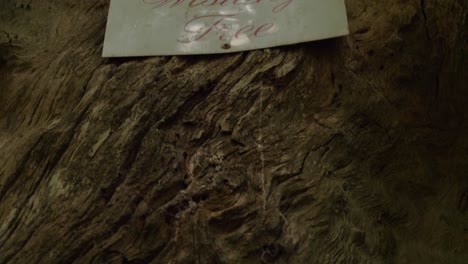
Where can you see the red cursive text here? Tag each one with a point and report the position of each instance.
(201, 26)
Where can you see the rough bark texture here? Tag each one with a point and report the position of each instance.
(350, 150)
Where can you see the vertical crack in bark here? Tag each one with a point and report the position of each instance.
(426, 28)
(262, 154)
(20, 168)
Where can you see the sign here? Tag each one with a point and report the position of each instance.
(176, 27)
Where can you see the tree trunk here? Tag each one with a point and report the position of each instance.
(349, 150)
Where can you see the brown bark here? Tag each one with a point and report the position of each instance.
(350, 150)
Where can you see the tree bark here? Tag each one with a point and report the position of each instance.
(349, 150)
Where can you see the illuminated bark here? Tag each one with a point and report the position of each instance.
(350, 150)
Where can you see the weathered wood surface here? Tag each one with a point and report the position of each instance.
(351, 150)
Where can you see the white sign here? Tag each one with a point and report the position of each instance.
(176, 27)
